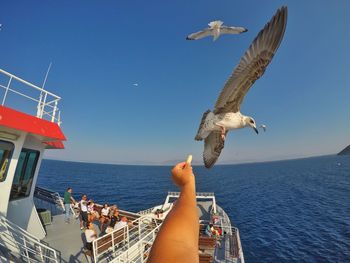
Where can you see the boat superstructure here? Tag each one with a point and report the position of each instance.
(32, 218)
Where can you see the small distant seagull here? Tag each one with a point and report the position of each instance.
(226, 115)
(263, 126)
(216, 29)
(136, 84)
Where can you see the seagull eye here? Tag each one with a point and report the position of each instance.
(251, 121)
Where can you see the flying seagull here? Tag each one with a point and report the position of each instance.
(215, 29)
(263, 126)
(226, 115)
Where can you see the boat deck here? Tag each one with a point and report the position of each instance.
(67, 238)
(204, 208)
(70, 240)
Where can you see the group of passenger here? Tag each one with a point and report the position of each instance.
(107, 217)
(212, 230)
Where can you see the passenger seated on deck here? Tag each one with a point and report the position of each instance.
(208, 231)
(122, 223)
(104, 219)
(215, 219)
(113, 221)
(112, 209)
(212, 231)
(92, 213)
(90, 235)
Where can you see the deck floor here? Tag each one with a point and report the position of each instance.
(204, 208)
(67, 238)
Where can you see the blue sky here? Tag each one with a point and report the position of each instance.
(100, 48)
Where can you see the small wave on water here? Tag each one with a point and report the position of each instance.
(286, 211)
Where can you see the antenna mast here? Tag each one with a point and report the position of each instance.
(40, 108)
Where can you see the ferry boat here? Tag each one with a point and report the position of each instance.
(32, 227)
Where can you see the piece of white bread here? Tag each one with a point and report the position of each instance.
(189, 159)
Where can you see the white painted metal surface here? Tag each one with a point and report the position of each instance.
(130, 238)
(46, 102)
(25, 245)
(199, 195)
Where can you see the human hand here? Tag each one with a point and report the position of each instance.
(182, 174)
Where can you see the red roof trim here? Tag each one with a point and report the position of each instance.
(54, 145)
(25, 122)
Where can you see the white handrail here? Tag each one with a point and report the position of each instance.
(137, 252)
(29, 246)
(129, 236)
(28, 83)
(41, 100)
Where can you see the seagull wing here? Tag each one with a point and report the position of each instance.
(200, 34)
(232, 30)
(253, 64)
(213, 146)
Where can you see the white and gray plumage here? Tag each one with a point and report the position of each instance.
(226, 115)
(263, 126)
(216, 29)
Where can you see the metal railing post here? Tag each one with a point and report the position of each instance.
(7, 89)
(43, 106)
(38, 111)
(139, 229)
(112, 235)
(94, 249)
(54, 112)
(59, 118)
(41, 254)
(25, 249)
(128, 241)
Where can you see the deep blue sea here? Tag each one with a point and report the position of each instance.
(286, 211)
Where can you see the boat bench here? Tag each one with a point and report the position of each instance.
(207, 243)
(106, 242)
(205, 258)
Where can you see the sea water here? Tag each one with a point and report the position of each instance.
(286, 211)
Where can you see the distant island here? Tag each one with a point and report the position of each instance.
(346, 151)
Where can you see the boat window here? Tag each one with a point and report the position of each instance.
(24, 174)
(6, 150)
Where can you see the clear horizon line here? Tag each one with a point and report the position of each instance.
(195, 163)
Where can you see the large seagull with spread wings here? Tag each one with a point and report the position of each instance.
(226, 115)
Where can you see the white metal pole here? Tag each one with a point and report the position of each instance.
(7, 89)
(38, 112)
(43, 106)
(47, 73)
(94, 249)
(54, 112)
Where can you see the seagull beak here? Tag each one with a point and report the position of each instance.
(256, 130)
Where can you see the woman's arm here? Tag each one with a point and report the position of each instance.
(177, 240)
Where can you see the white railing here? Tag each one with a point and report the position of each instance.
(49, 196)
(46, 102)
(146, 211)
(139, 252)
(233, 234)
(116, 242)
(198, 194)
(29, 247)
